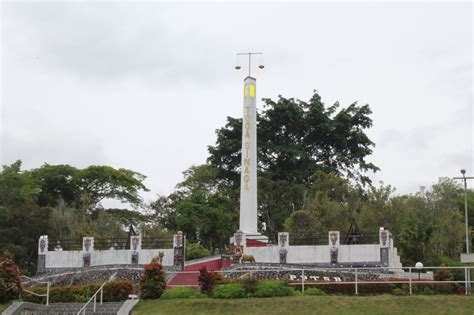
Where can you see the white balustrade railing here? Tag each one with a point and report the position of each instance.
(404, 275)
(48, 284)
(94, 297)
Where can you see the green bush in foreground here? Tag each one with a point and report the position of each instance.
(314, 291)
(182, 293)
(250, 284)
(10, 284)
(229, 291)
(274, 288)
(153, 280)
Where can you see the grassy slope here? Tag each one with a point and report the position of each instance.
(3, 307)
(385, 304)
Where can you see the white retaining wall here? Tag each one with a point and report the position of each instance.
(73, 259)
(321, 254)
(316, 254)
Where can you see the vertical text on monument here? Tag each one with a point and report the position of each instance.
(248, 187)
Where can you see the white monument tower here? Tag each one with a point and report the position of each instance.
(248, 177)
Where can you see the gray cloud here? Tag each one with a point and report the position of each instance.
(144, 85)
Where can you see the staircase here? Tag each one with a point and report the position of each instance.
(189, 277)
(107, 308)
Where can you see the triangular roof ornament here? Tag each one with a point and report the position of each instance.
(354, 236)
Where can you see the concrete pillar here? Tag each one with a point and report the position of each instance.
(179, 245)
(248, 176)
(87, 249)
(384, 240)
(283, 245)
(135, 248)
(42, 252)
(334, 242)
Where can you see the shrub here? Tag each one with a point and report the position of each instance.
(274, 288)
(208, 280)
(434, 288)
(152, 281)
(10, 284)
(349, 288)
(196, 250)
(443, 274)
(398, 291)
(250, 284)
(229, 291)
(458, 273)
(181, 293)
(314, 291)
(118, 290)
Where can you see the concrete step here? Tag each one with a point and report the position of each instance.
(107, 308)
(73, 308)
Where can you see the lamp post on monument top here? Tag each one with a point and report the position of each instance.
(466, 258)
(248, 176)
(464, 178)
(249, 54)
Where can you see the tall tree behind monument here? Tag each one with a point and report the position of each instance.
(295, 140)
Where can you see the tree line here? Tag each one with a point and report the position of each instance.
(313, 165)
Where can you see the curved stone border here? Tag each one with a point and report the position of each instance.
(127, 307)
(18, 307)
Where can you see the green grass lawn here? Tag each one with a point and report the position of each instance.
(3, 307)
(384, 304)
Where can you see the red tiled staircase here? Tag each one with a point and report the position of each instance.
(189, 277)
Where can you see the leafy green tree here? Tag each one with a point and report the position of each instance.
(382, 208)
(330, 203)
(96, 183)
(196, 250)
(57, 185)
(20, 228)
(17, 187)
(303, 223)
(413, 239)
(442, 203)
(129, 217)
(205, 213)
(296, 140)
(70, 223)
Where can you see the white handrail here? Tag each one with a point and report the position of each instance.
(358, 272)
(83, 309)
(48, 284)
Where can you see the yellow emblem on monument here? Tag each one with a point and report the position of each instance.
(249, 90)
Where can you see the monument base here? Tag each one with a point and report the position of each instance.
(248, 239)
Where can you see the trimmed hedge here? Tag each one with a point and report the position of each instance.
(181, 293)
(114, 291)
(274, 288)
(229, 291)
(387, 288)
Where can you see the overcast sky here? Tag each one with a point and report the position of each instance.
(144, 86)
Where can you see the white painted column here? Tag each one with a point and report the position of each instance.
(42, 253)
(248, 178)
